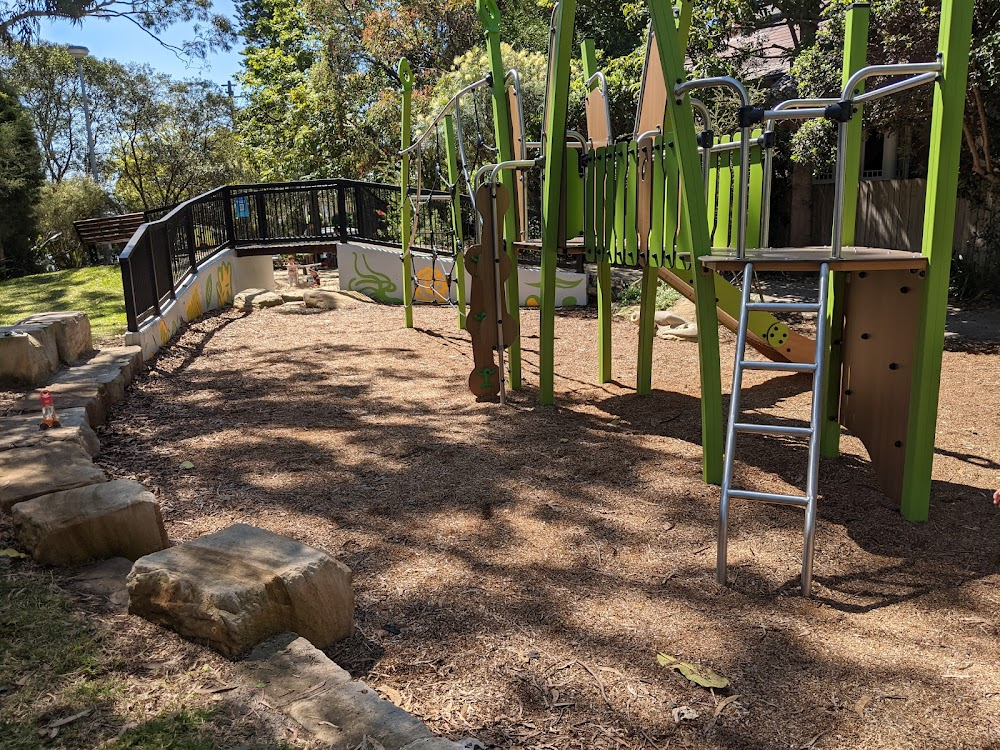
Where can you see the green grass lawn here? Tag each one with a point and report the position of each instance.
(96, 291)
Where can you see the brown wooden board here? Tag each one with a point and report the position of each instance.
(653, 102)
(810, 259)
(481, 262)
(881, 312)
(597, 121)
(108, 229)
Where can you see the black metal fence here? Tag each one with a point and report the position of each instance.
(164, 251)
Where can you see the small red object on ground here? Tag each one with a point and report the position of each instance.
(49, 418)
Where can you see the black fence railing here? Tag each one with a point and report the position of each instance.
(166, 249)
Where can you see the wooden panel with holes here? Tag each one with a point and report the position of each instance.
(881, 313)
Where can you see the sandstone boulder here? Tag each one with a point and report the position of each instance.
(326, 299)
(28, 355)
(71, 331)
(26, 473)
(292, 295)
(231, 589)
(23, 431)
(254, 299)
(114, 519)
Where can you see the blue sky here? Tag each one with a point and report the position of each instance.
(125, 42)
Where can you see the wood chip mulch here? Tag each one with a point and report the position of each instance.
(518, 569)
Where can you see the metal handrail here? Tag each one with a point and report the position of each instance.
(895, 69)
(442, 112)
(731, 83)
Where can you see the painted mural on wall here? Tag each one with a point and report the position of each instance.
(211, 288)
(378, 273)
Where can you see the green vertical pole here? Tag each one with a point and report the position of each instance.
(489, 14)
(589, 56)
(647, 329)
(855, 56)
(406, 215)
(679, 111)
(451, 154)
(939, 226)
(554, 142)
(650, 278)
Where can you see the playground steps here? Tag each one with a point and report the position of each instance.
(736, 426)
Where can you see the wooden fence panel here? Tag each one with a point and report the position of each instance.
(891, 215)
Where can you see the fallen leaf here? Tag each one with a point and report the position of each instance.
(684, 713)
(69, 719)
(392, 694)
(187, 465)
(723, 703)
(11, 553)
(807, 745)
(859, 707)
(698, 674)
(211, 691)
(563, 440)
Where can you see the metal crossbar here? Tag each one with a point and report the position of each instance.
(807, 501)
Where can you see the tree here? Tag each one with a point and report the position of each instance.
(20, 179)
(59, 205)
(908, 31)
(172, 141)
(19, 19)
(49, 88)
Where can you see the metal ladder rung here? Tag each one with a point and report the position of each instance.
(799, 501)
(771, 429)
(751, 364)
(783, 307)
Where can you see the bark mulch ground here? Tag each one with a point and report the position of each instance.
(518, 569)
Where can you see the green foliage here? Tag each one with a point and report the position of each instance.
(173, 141)
(20, 179)
(59, 205)
(55, 663)
(20, 19)
(97, 291)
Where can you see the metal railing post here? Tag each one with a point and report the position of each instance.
(342, 211)
(189, 233)
(227, 210)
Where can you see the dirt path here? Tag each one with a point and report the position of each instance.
(518, 570)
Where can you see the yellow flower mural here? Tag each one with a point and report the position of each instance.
(432, 285)
(193, 308)
(224, 286)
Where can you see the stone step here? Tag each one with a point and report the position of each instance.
(23, 431)
(231, 589)
(326, 299)
(303, 683)
(26, 473)
(95, 385)
(120, 518)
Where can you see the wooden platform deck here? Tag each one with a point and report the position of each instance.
(810, 259)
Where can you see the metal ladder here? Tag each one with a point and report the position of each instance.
(735, 426)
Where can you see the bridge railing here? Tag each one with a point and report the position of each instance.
(164, 252)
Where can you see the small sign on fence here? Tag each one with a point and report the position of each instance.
(241, 207)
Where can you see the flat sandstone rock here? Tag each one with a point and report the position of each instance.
(231, 589)
(120, 518)
(254, 299)
(299, 680)
(327, 299)
(26, 473)
(23, 431)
